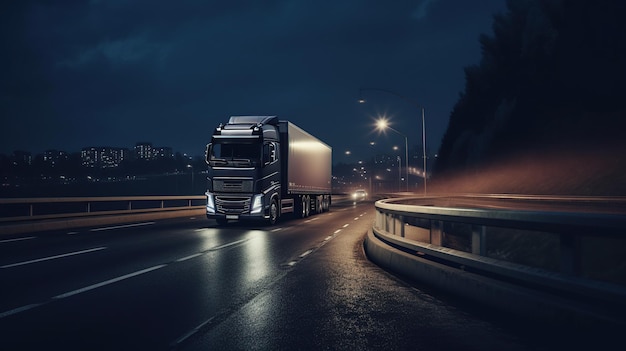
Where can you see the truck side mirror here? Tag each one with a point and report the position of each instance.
(266, 154)
(269, 153)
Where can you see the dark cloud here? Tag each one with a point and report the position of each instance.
(116, 72)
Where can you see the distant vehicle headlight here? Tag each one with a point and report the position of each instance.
(359, 194)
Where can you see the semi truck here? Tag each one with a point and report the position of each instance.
(260, 167)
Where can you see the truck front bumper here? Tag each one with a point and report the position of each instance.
(251, 207)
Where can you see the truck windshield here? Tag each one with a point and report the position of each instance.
(235, 154)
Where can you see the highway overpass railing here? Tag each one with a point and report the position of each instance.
(576, 256)
(20, 215)
(31, 214)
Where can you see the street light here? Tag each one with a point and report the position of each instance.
(382, 125)
(362, 101)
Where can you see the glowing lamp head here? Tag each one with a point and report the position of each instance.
(382, 124)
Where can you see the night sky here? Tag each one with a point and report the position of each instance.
(114, 73)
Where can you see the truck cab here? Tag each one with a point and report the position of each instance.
(244, 170)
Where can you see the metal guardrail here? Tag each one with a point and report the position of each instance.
(20, 210)
(37, 209)
(420, 230)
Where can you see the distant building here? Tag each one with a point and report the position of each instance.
(53, 157)
(22, 158)
(163, 152)
(103, 156)
(144, 151)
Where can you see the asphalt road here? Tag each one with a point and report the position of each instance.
(187, 284)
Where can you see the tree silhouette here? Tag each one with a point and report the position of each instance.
(552, 75)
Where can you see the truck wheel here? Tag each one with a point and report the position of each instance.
(305, 206)
(302, 207)
(307, 203)
(325, 203)
(273, 213)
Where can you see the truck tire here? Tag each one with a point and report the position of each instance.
(273, 213)
(319, 204)
(304, 206)
(308, 205)
(326, 203)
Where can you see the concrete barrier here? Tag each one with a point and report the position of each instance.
(486, 293)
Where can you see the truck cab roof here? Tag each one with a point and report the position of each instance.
(273, 120)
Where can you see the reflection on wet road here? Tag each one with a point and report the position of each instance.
(188, 284)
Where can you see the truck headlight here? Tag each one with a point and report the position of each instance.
(257, 204)
(210, 203)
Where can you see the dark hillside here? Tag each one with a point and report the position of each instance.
(550, 91)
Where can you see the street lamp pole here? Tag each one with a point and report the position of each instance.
(382, 125)
(399, 172)
(406, 155)
(424, 147)
(361, 100)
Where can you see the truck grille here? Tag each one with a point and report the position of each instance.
(232, 204)
(232, 185)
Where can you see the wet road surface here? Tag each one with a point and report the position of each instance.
(188, 284)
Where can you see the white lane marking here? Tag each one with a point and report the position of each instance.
(18, 310)
(189, 257)
(192, 331)
(276, 229)
(115, 280)
(227, 245)
(121, 226)
(356, 218)
(18, 239)
(305, 253)
(107, 282)
(308, 252)
(72, 233)
(209, 250)
(345, 225)
(53, 257)
(78, 291)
